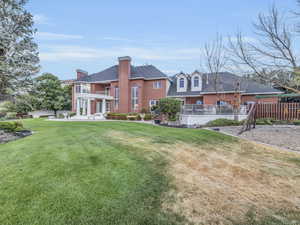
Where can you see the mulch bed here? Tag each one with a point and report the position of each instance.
(6, 137)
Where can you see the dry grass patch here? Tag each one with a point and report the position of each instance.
(219, 184)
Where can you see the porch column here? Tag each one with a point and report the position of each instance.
(103, 105)
(88, 107)
(78, 107)
(84, 107)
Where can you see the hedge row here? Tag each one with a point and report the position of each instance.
(127, 116)
(11, 126)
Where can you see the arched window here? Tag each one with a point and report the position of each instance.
(196, 82)
(181, 83)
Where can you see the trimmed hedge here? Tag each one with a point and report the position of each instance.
(148, 117)
(129, 116)
(223, 122)
(116, 116)
(11, 126)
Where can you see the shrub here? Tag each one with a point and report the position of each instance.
(131, 117)
(169, 107)
(11, 115)
(144, 111)
(148, 117)
(116, 116)
(296, 122)
(223, 122)
(60, 116)
(11, 126)
(7, 106)
(71, 114)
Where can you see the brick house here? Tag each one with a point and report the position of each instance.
(122, 88)
(199, 88)
(125, 88)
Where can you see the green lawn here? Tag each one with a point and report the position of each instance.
(74, 173)
(125, 173)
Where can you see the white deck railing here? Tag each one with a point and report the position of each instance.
(190, 109)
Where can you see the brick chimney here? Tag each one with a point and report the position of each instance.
(81, 74)
(124, 70)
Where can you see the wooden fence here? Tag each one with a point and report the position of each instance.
(278, 111)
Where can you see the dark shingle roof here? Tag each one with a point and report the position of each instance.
(227, 84)
(145, 72)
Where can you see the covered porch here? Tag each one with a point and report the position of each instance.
(92, 106)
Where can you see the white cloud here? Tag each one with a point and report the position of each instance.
(41, 19)
(56, 36)
(79, 53)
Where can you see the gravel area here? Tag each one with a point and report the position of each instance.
(283, 136)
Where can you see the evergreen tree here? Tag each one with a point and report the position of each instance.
(18, 51)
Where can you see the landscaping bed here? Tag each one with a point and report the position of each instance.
(12, 130)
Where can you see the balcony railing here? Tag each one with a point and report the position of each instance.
(107, 93)
(212, 110)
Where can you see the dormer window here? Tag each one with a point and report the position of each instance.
(196, 82)
(181, 83)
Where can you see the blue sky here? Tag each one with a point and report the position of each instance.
(169, 34)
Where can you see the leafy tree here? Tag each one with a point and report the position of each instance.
(169, 107)
(49, 92)
(67, 94)
(18, 52)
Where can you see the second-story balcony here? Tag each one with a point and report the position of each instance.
(95, 94)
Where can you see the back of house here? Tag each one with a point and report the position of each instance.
(125, 88)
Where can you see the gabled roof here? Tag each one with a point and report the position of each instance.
(143, 72)
(227, 83)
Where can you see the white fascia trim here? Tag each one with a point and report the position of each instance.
(222, 92)
(80, 82)
(143, 78)
(263, 93)
(103, 82)
(183, 96)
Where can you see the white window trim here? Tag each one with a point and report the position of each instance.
(155, 86)
(134, 98)
(199, 88)
(117, 97)
(155, 102)
(84, 88)
(184, 88)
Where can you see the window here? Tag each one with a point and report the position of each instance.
(199, 102)
(157, 84)
(78, 88)
(196, 82)
(82, 88)
(222, 103)
(153, 102)
(134, 98)
(117, 97)
(181, 83)
(107, 90)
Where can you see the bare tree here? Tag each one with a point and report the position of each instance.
(272, 55)
(215, 60)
